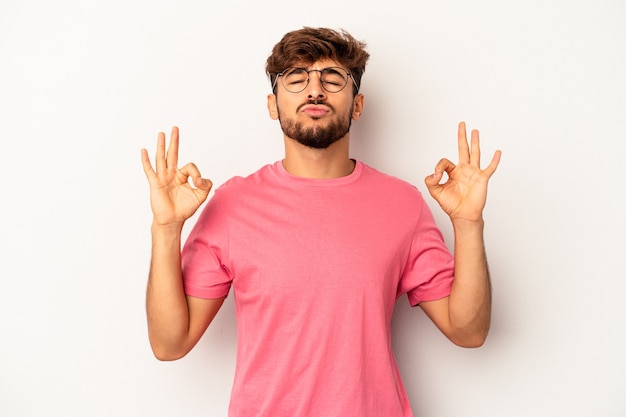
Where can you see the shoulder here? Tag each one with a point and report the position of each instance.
(242, 184)
(389, 185)
(236, 191)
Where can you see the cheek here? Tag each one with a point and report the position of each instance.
(284, 106)
(350, 110)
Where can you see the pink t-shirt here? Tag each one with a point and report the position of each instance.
(316, 267)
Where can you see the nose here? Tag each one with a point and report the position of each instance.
(315, 89)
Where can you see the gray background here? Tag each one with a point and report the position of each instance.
(85, 84)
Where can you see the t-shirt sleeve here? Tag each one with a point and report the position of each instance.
(429, 271)
(204, 257)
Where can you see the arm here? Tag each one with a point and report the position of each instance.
(465, 316)
(175, 322)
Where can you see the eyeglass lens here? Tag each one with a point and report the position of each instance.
(333, 79)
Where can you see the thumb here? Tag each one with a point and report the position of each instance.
(202, 187)
(203, 184)
(432, 182)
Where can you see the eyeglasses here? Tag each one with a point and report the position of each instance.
(332, 79)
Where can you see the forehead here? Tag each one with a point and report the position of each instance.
(320, 64)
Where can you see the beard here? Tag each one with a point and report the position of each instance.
(317, 137)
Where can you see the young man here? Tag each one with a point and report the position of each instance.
(317, 248)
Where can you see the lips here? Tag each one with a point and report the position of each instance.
(315, 110)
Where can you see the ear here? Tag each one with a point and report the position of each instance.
(357, 106)
(271, 106)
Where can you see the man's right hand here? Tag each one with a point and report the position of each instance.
(172, 198)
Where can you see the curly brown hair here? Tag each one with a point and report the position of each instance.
(309, 45)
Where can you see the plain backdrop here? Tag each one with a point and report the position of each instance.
(85, 84)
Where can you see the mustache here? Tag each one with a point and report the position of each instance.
(316, 102)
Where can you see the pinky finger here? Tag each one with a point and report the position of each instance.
(145, 162)
(493, 165)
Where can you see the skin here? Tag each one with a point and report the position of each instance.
(304, 161)
(176, 322)
(317, 106)
(465, 316)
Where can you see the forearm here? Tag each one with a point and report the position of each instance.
(470, 297)
(166, 304)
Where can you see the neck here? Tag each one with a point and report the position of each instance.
(305, 162)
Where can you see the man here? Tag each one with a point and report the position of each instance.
(317, 248)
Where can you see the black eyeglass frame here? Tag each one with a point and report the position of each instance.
(308, 79)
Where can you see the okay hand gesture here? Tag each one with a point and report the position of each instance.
(464, 194)
(172, 198)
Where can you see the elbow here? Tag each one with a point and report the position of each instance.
(165, 354)
(472, 342)
(469, 333)
(469, 339)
